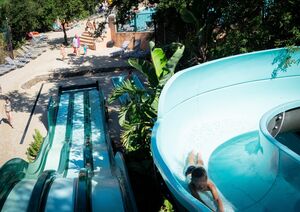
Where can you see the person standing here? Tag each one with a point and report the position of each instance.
(8, 110)
(62, 52)
(0, 93)
(75, 44)
(78, 45)
(94, 25)
(85, 48)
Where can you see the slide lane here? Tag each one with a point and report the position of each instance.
(76, 159)
(53, 157)
(101, 159)
(105, 186)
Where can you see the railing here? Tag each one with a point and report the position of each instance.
(40, 191)
(82, 192)
(88, 146)
(37, 166)
(107, 137)
(11, 172)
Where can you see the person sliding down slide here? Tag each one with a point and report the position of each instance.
(200, 185)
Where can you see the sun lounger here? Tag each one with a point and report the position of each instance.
(38, 37)
(5, 68)
(14, 62)
(22, 57)
(38, 44)
(27, 55)
(32, 51)
(120, 51)
(137, 51)
(136, 48)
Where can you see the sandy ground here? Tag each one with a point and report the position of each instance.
(13, 141)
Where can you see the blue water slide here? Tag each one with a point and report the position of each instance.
(222, 109)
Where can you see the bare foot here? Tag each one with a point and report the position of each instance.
(199, 159)
(191, 157)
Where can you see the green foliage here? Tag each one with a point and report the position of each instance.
(2, 48)
(124, 9)
(285, 60)
(214, 29)
(167, 206)
(138, 116)
(34, 147)
(39, 15)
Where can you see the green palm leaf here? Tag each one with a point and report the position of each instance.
(173, 61)
(146, 68)
(159, 59)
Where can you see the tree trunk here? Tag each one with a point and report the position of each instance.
(65, 34)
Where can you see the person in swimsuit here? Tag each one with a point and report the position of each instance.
(198, 180)
(7, 107)
(1, 93)
(62, 52)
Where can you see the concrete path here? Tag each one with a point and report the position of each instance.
(49, 63)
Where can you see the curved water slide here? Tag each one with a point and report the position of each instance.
(75, 169)
(231, 110)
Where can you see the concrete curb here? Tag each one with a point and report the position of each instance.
(68, 73)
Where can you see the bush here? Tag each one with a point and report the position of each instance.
(167, 207)
(34, 147)
(2, 48)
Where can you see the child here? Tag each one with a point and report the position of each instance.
(75, 44)
(85, 48)
(199, 182)
(62, 52)
(7, 107)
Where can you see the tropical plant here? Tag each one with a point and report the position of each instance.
(138, 116)
(34, 146)
(167, 207)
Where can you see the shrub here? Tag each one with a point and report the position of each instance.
(34, 147)
(2, 48)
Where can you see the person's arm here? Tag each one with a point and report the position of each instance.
(215, 194)
(197, 196)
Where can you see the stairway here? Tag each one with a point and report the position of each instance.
(87, 38)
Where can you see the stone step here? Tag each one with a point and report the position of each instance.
(86, 34)
(86, 38)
